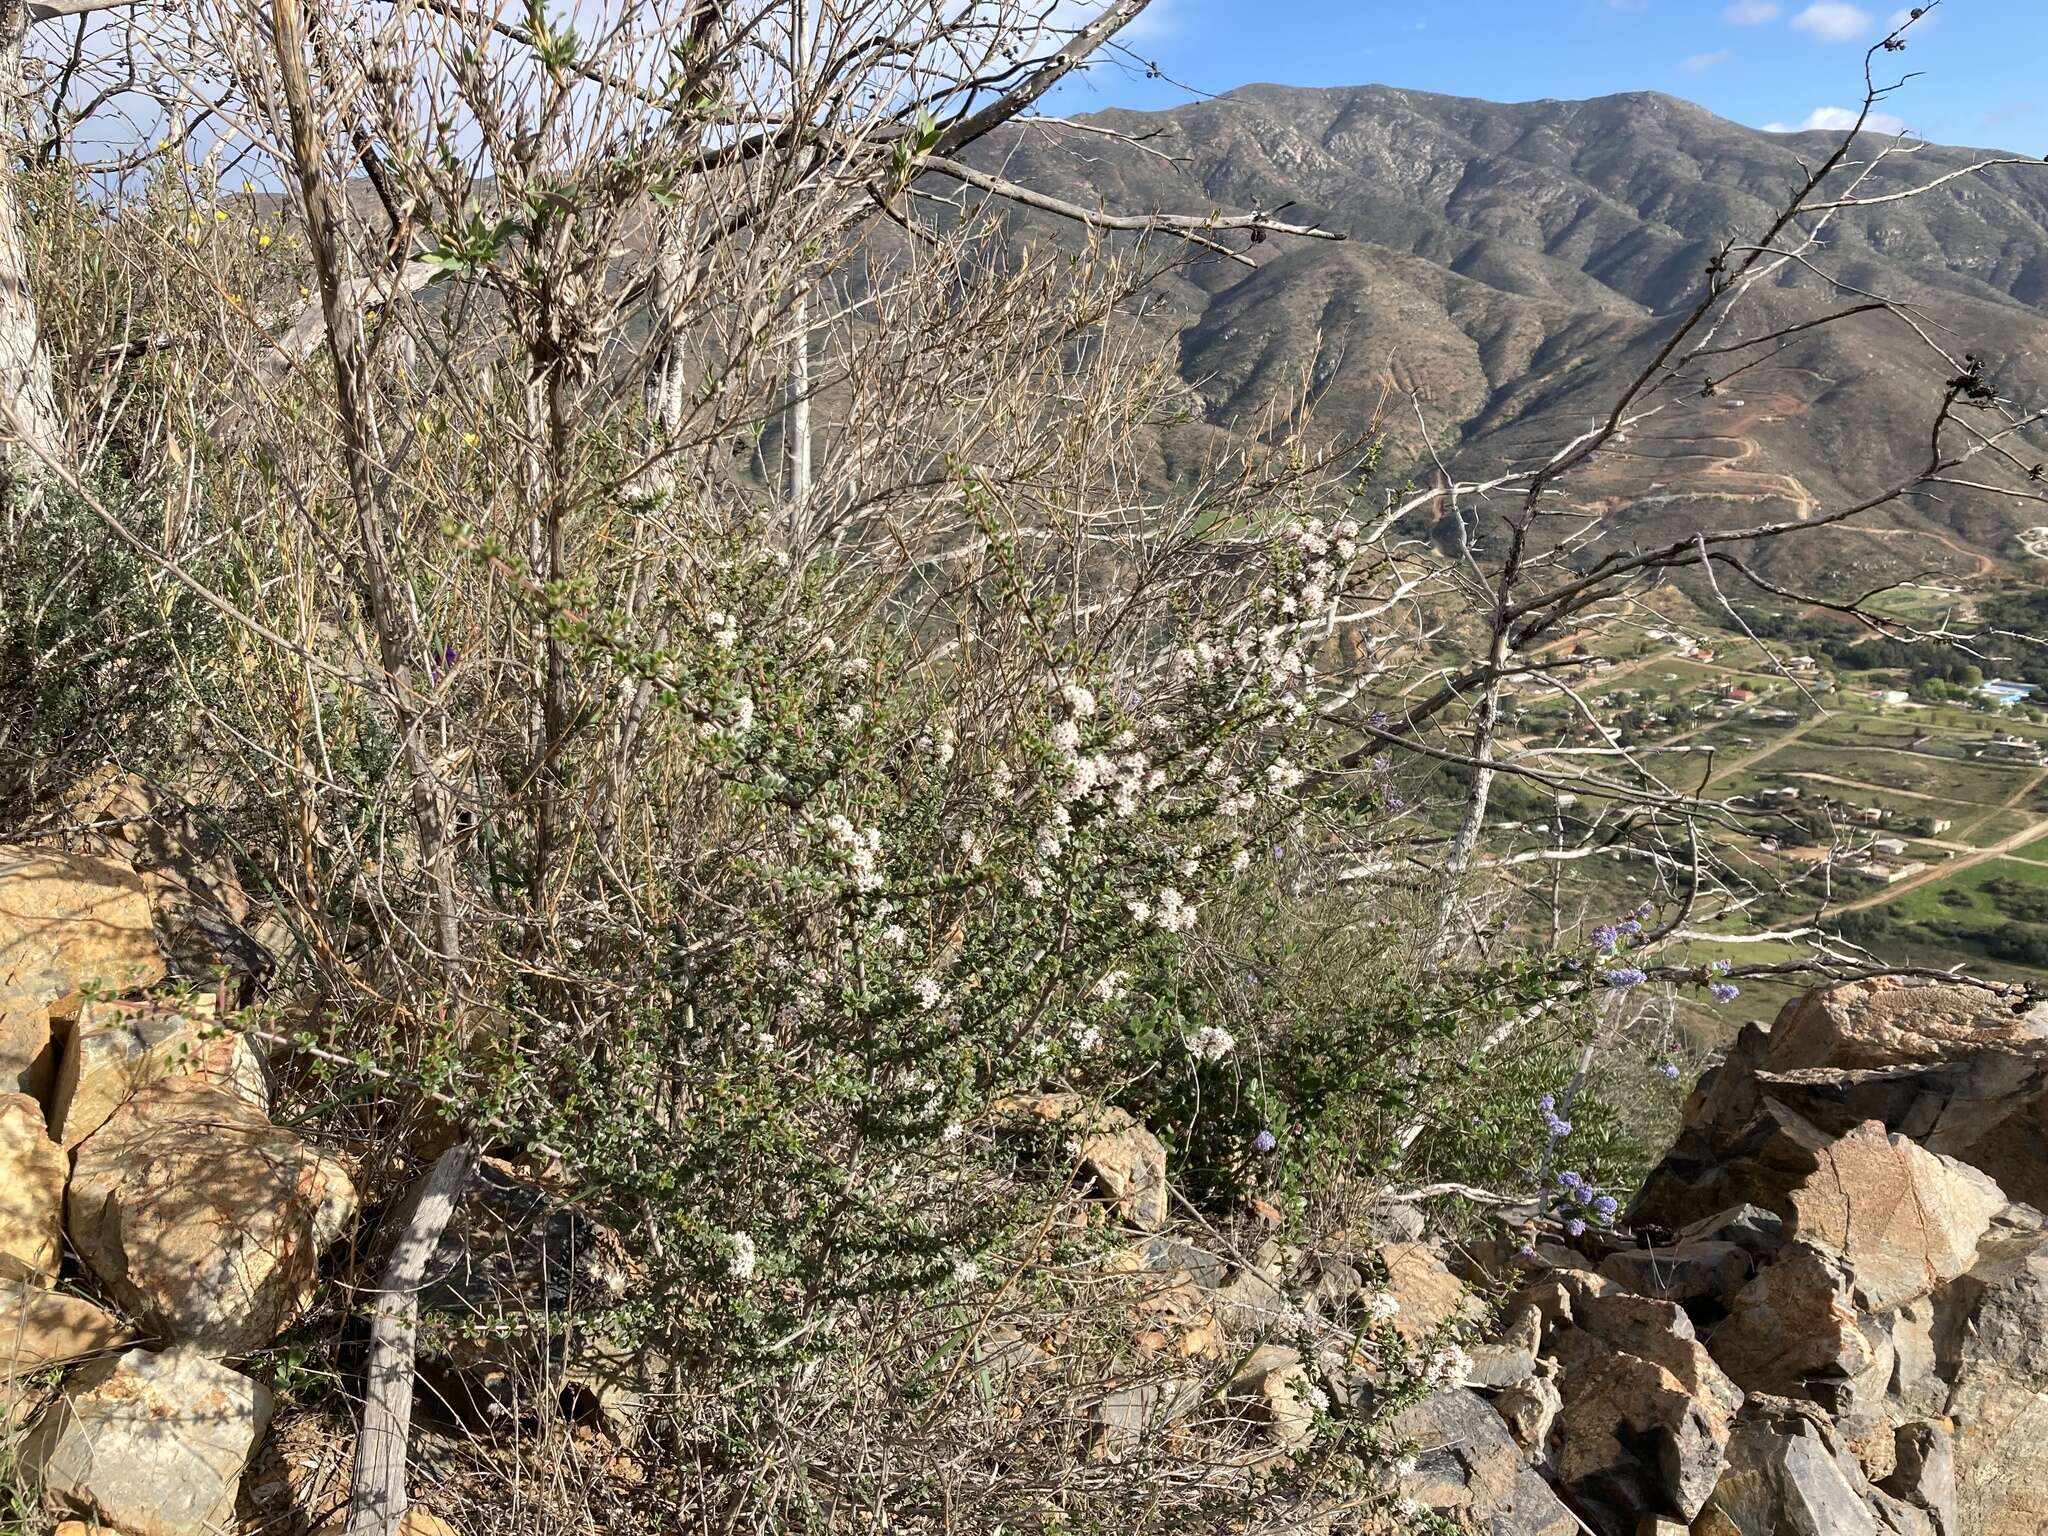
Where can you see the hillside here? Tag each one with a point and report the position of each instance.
(1508, 264)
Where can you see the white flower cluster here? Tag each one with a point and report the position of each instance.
(1382, 1307)
(860, 848)
(1111, 986)
(1448, 1366)
(929, 993)
(723, 628)
(740, 1262)
(1211, 1043)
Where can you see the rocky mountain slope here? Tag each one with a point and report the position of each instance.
(1509, 264)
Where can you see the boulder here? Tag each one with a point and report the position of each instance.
(69, 924)
(115, 1049)
(1794, 1330)
(1429, 1294)
(1888, 1021)
(32, 1173)
(1786, 1476)
(1924, 1470)
(201, 1217)
(1125, 1161)
(1468, 1469)
(40, 1328)
(1994, 1342)
(1904, 1219)
(152, 1444)
(1647, 1412)
(1706, 1271)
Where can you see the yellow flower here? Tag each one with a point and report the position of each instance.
(220, 216)
(305, 292)
(263, 242)
(469, 439)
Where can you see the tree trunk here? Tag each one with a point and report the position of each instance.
(376, 1490)
(31, 430)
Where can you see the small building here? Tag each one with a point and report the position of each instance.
(2004, 693)
(1868, 815)
(1940, 824)
(1891, 695)
(1890, 845)
(1786, 792)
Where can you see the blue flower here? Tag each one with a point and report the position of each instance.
(1725, 991)
(1569, 1179)
(1576, 1227)
(1604, 1208)
(1265, 1141)
(1557, 1127)
(1622, 977)
(1547, 1103)
(1631, 926)
(1718, 967)
(1606, 937)
(1377, 719)
(1667, 1069)
(1644, 910)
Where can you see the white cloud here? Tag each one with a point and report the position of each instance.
(1833, 21)
(1753, 13)
(1839, 120)
(1701, 62)
(1158, 20)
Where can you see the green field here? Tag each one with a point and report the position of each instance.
(1943, 778)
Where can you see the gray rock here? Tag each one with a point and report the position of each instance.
(1469, 1469)
(153, 1444)
(1924, 1471)
(1495, 1366)
(1706, 1270)
(1750, 1227)
(1786, 1476)
(1998, 1398)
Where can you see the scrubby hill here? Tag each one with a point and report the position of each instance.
(1508, 264)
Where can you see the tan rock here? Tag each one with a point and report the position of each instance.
(153, 1444)
(1529, 1409)
(32, 1172)
(115, 1049)
(40, 1328)
(1274, 1387)
(1647, 1413)
(1795, 1326)
(1429, 1294)
(68, 924)
(1904, 1218)
(1887, 1021)
(201, 1217)
(1694, 1271)
(1123, 1159)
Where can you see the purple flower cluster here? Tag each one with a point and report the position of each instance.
(1552, 1121)
(1725, 991)
(1265, 1141)
(1606, 938)
(1667, 1069)
(1622, 977)
(1582, 1197)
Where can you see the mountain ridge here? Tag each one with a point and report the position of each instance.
(1507, 265)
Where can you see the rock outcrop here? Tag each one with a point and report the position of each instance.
(152, 1444)
(201, 1217)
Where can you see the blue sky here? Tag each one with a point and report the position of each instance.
(1761, 62)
